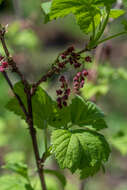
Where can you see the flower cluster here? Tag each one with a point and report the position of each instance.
(3, 64)
(79, 80)
(63, 93)
(68, 56)
(88, 59)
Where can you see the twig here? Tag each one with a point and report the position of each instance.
(52, 71)
(10, 60)
(34, 141)
(29, 114)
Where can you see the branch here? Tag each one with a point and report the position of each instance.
(53, 70)
(34, 141)
(9, 58)
(29, 114)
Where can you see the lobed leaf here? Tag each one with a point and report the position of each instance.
(84, 11)
(80, 150)
(41, 102)
(87, 113)
(115, 13)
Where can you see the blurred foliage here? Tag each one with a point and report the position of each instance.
(23, 39)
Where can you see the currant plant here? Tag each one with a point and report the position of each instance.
(76, 141)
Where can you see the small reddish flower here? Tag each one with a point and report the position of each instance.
(2, 68)
(82, 84)
(62, 79)
(75, 79)
(59, 92)
(88, 59)
(65, 97)
(61, 65)
(71, 49)
(79, 74)
(84, 72)
(65, 103)
(67, 91)
(63, 56)
(59, 100)
(77, 65)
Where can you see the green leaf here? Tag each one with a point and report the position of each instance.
(18, 168)
(41, 102)
(86, 113)
(85, 11)
(14, 161)
(13, 104)
(119, 141)
(46, 10)
(60, 117)
(122, 73)
(45, 110)
(83, 150)
(11, 182)
(91, 90)
(16, 156)
(125, 3)
(115, 13)
(3, 136)
(124, 22)
(57, 174)
(42, 108)
(46, 7)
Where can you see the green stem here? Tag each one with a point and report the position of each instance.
(103, 26)
(45, 137)
(93, 24)
(111, 37)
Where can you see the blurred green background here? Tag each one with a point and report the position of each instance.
(34, 46)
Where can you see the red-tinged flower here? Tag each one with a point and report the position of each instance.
(76, 83)
(61, 65)
(71, 61)
(63, 86)
(65, 97)
(68, 91)
(88, 59)
(79, 74)
(5, 64)
(59, 92)
(2, 68)
(62, 79)
(59, 100)
(75, 79)
(84, 72)
(65, 103)
(77, 65)
(63, 56)
(71, 49)
(82, 84)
